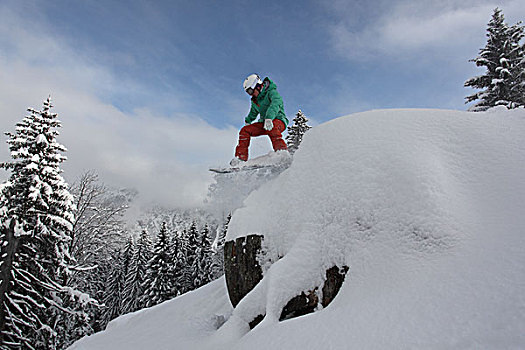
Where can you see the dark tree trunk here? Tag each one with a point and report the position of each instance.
(8, 254)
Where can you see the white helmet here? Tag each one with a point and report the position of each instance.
(251, 82)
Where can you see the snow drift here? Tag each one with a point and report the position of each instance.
(425, 207)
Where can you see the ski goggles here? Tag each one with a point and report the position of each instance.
(250, 90)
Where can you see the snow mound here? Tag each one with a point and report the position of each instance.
(425, 207)
(401, 197)
(186, 322)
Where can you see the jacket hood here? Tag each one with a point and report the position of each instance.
(268, 84)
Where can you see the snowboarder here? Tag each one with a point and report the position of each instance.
(267, 103)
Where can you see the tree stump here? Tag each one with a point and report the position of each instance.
(241, 268)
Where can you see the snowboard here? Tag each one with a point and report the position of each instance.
(279, 159)
(229, 170)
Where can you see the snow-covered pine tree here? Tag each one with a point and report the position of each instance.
(135, 279)
(191, 240)
(517, 61)
(179, 263)
(296, 131)
(114, 292)
(218, 249)
(36, 215)
(202, 265)
(503, 55)
(160, 277)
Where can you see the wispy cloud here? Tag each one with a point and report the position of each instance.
(415, 28)
(165, 157)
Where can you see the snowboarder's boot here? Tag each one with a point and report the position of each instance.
(235, 162)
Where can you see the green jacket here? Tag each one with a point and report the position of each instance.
(269, 104)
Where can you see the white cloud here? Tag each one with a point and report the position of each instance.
(413, 28)
(439, 30)
(164, 157)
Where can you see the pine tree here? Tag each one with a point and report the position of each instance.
(218, 249)
(297, 131)
(135, 279)
(202, 265)
(517, 61)
(160, 277)
(36, 218)
(114, 292)
(191, 240)
(503, 56)
(179, 264)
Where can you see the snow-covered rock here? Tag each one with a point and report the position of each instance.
(425, 207)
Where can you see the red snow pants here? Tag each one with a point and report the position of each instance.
(257, 129)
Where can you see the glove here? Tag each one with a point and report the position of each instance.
(268, 124)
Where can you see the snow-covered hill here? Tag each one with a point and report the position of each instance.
(426, 207)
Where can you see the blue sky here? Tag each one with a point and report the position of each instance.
(168, 74)
(198, 52)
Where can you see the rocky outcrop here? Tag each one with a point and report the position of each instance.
(243, 272)
(306, 303)
(241, 268)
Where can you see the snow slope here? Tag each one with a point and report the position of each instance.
(425, 207)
